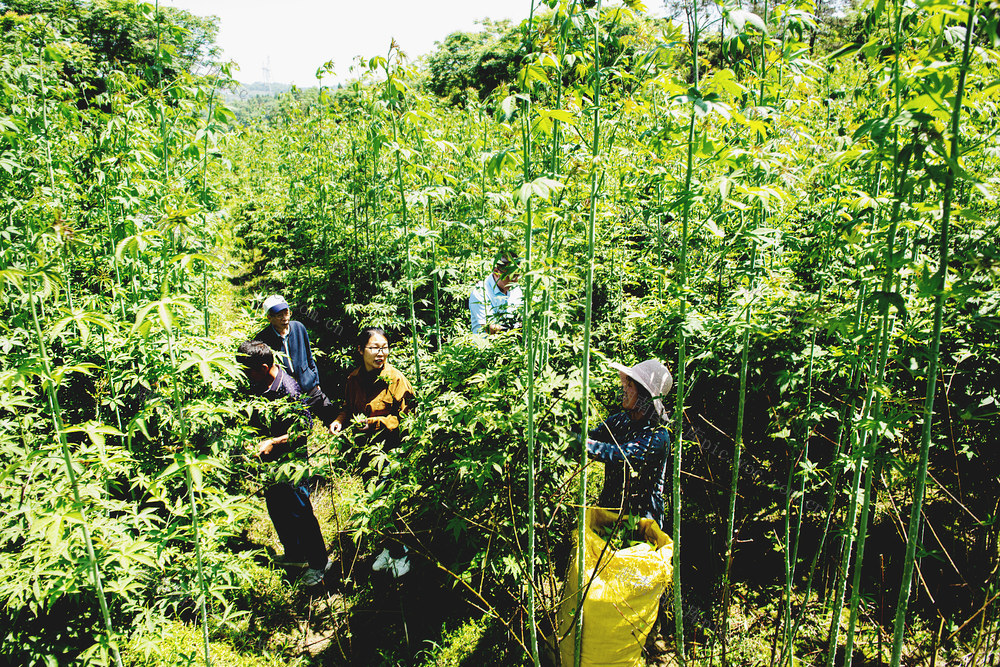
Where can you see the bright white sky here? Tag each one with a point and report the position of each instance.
(297, 36)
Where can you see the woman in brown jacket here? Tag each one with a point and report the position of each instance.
(375, 390)
(379, 393)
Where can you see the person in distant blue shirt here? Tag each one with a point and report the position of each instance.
(290, 338)
(634, 444)
(495, 301)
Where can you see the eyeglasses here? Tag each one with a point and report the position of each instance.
(376, 350)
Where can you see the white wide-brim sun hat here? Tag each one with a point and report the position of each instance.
(654, 377)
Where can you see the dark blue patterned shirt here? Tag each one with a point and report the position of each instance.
(634, 453)
(284, 390)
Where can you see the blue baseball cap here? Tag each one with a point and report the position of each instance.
(274, 304)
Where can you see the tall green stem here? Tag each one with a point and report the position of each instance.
(792, 546)
(844, 430)
(940, 284)
(737, 452)
(51, 173)
(406, 226)
(680, 389)
(529, 368)
(53, 399)
(875, 416)
(587, 316)
(192, 501)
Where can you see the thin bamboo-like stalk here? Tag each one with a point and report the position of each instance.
(554, 168)
(406, 225)
(845, 429)
(858, 448)
(763, 59)
(863, 442)
(737, 452)
(888, 280)
(529, 368)
(164, 162)
(900, 175)
(54, 408)
(430, 226)
(861, 452)
(681, 375)
(204, 187)
(805, 431)
(51, 173)
(192, 501)
(940, 280)
(111, 380)
(588, 313)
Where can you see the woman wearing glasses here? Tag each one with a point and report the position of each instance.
(375, 390)
(378, 393)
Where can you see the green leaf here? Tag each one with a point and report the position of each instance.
(740, 17)
(890, 300)
(540, 187)
(83, 319)
(95, 432)
(208, 361)
(508, 106)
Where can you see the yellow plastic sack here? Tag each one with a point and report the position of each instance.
(623, 596)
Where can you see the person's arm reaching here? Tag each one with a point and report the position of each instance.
(636, 450)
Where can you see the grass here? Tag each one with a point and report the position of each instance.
(456, 647)
(179, 643)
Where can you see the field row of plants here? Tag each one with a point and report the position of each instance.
(797, 213)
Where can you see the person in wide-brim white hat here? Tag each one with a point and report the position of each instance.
(634, 444)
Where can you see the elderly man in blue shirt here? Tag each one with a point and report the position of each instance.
(290, 338)
(495, 301)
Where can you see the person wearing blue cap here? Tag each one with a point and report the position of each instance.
(289, 338)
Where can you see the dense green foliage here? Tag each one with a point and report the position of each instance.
(810, 234)
(479, 60)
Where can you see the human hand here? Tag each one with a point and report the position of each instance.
(265, 447)
(336, 427)
(369, 424)
(360, 423)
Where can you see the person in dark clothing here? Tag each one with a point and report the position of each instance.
(287, 429)
(290, 338)
(634, 443)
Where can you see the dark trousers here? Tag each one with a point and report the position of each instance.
(296, 525)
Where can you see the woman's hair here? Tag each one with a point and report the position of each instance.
(367, 333)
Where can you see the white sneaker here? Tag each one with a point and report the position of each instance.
(400, 566)
(382, 561)
(314, 576)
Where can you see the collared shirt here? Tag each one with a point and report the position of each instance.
(284, 348)
(297, 354)
(634, 453)
(488, 305)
